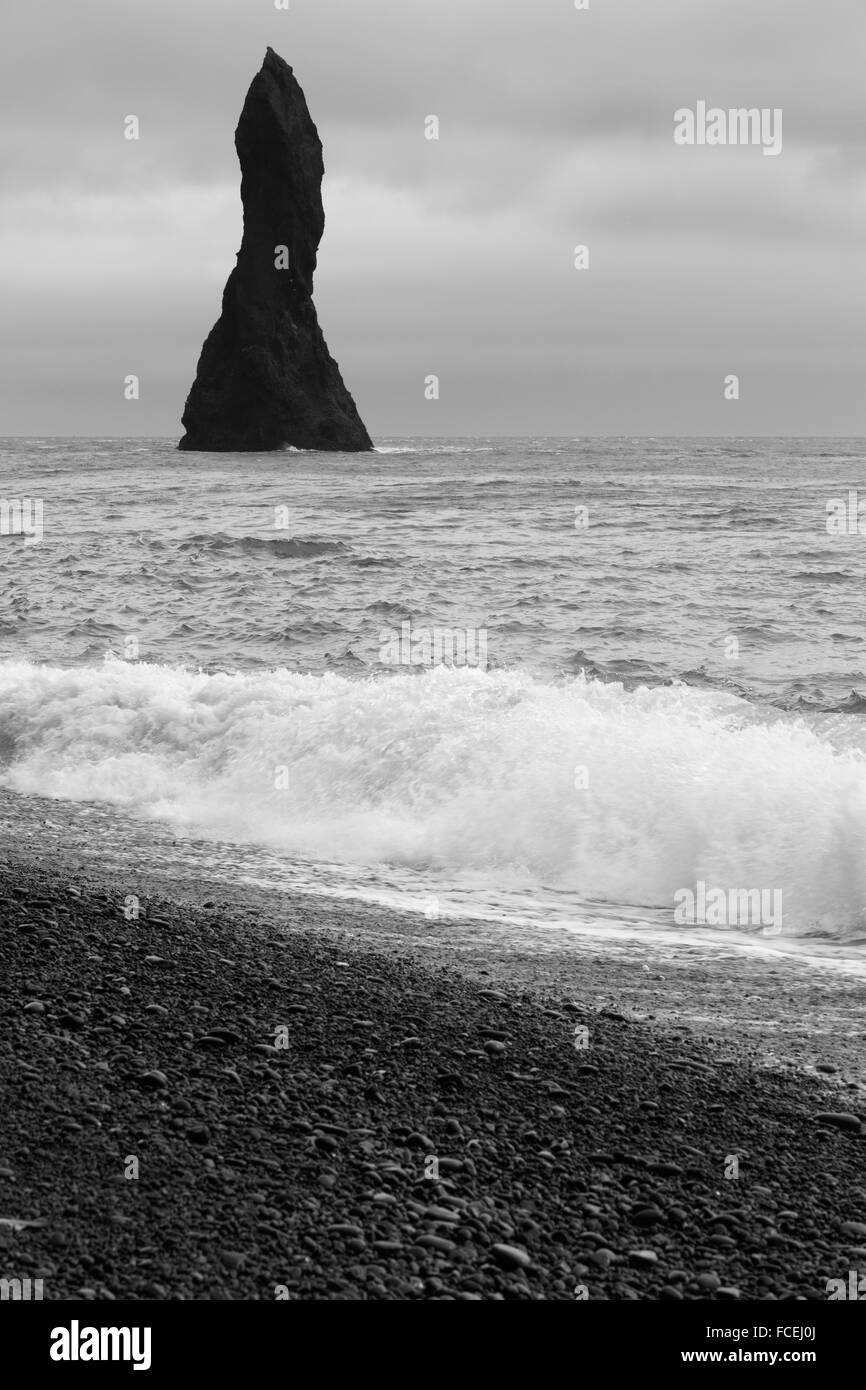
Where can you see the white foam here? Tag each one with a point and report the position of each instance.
(462, 772)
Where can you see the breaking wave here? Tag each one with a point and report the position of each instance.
(622, 796)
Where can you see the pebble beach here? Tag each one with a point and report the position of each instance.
(235, 1094)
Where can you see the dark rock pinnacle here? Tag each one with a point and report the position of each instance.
(265, 378)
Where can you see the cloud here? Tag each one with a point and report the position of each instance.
(556, 128)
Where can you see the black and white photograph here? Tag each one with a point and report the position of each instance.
(432, 673)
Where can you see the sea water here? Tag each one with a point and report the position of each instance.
(649, 674)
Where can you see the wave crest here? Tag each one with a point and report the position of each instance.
(462, 771)
(282, 548)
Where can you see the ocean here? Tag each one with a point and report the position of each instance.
(562, 682)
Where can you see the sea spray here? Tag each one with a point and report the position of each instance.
(461, 771)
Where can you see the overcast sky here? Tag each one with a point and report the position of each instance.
(453, 257)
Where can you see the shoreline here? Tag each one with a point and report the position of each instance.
(762, 1003)
(291, 1074)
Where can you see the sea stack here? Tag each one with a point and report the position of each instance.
(265, 378)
